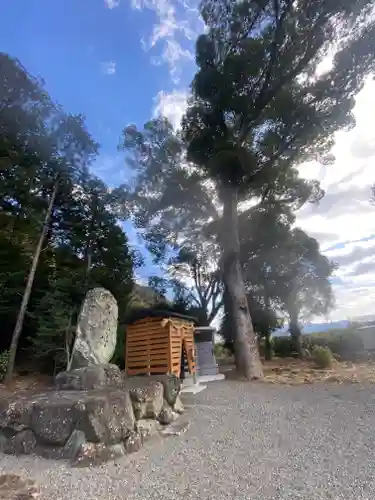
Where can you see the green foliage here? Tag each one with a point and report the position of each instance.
(41, 146)
(221, 351)
(285, 264)
(258, 109)
(119, 354)
(265, 351)
(322, 357)
(54, 324)
(345, 345)
(264, 319)
(282, 346)
(4, 359)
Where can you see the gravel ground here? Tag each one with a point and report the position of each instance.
(245, 441)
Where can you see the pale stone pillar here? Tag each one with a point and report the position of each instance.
(204, 337)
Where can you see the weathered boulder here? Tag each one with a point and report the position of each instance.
(14, 487)
(90, 377)
(172, 387)
(75, 442)
(96, 332)
(67, 452)
(102, 416)
(178, 407)
(133, 442)
(167, 415)
(147, 428)
(147, 400)
(21, 443)
(16, 414)
(106, 417)
(94, 454)
(52, 418)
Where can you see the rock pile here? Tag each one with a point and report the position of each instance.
(14, 487)
(94, 414)
(85, 426)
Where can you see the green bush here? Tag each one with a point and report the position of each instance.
(119, 354)
(282, 347)
(221, 351)
(345, 345)
(4, 359)
(322, 357)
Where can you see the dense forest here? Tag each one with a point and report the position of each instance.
(46, 187)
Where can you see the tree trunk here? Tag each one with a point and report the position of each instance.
(268, 343)
(26, 296)
(295, 333)
(268, 347)
(247, 358)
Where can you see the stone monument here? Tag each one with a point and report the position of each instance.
(96, 333)
(94, 345)
(206, 361)
(94, 415)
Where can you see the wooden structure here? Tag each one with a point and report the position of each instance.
(156, 342)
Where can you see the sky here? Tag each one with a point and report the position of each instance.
(124, 61)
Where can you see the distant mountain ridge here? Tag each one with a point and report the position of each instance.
(315, 327)
(368, 320)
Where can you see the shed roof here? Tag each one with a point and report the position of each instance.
(157, 313)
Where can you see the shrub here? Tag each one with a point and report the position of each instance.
(119, 354)
(345, 345)
(221, 351)
(322, 357)
(4, 359)
(282, 347)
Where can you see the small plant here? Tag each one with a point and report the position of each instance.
(322, 357)
(4, 359)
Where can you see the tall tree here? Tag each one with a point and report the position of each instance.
(265, 321)
(194, 278)
(71, 148)
(260, 105)
(56, 220)
(302, 280)
(196, 269)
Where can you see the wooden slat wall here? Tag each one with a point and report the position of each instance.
(181, 334)
(147, 347)
(153, 345)
(176, 346)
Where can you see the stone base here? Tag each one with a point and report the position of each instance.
(90, 377)
(193, 388)
(88, 427)
(211, 378)
(206, 370)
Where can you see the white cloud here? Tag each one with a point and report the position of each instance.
(344, 221)
(111, 4)
(172, 105)
(173, 54)
(345, 218)
(176, 28)
(108, 67)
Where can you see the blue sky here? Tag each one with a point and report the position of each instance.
(123, 61)
(100, 58)
(71, 44)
